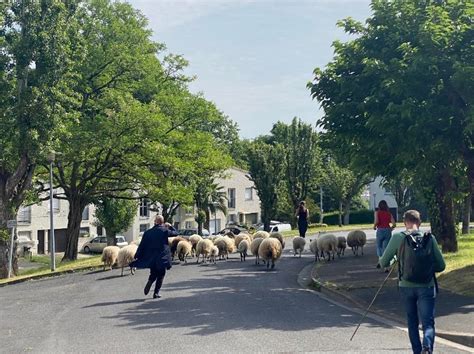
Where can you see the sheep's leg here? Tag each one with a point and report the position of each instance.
(273, 263)
(301, 251)
(121, 274)
(362, 247)
(197, 261)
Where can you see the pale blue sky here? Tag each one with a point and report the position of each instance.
(253, 58)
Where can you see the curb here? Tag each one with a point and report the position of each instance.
(465, 339)
(50, 275)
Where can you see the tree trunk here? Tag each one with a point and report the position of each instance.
(5, 241)
(347, 212)
(340, 213)
(443, 221)
(111, 240)
(466, 215)
(73, 226)
(208, 219)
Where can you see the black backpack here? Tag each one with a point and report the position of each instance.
(416, 258)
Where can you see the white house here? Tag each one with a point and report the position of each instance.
(34, 220)
(243, 203)
(376, 193)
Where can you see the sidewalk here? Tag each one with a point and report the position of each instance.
(356, 280)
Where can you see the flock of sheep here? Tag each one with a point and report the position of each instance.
(264, 246)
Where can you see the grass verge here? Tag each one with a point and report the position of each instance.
(89, 262)
(329, 228)
(459, 274)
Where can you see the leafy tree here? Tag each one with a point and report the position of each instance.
(398, 97)
(402, 189)
(301, 151)
(35, 81)
(265, 166)
(209, 198)
(115, 215)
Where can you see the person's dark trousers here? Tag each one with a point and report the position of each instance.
(156, 274)
(420, 300)
(302, 229)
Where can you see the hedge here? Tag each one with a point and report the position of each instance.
(356, 217)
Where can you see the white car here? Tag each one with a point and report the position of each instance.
(97, 244)
(277, 226)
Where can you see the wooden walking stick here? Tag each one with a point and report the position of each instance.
(373, 300)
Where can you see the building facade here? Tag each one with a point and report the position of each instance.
(243, 204)
(376, 193)
(34, 221)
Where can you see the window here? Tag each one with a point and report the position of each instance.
(24, 215)
(144, 227)
(84, 232)
(231, 198)
(232, 218)
(85, 213)
(144, 207)
(188, 225)
(249, 193)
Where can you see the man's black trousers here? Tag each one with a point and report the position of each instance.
(157, 274)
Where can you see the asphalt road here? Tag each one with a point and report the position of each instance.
(227, 307)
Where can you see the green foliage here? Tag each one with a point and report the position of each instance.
(302, 162)
(357, 217)
(265, 166)
(394, 98)
(115, 215)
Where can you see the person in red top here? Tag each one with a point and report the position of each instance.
(384, 223)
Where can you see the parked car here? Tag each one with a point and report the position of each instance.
(276, 226)
(234, 229)
(189, 232)
(98, 243)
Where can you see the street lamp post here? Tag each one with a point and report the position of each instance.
(321, 216)
(52, 246)
(375, 204)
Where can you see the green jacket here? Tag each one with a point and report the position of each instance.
(392, 250)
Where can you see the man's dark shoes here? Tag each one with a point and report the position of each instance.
(426, 350)
(156, 295)
(378, 265)
(147, 287)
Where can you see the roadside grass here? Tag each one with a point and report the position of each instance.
(83, 263)
(459, 274)
(329, 228)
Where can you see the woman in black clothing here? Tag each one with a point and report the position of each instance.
(302, 214)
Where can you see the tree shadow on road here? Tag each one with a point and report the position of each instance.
(236, 295)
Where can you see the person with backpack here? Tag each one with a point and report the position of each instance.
(419, 258)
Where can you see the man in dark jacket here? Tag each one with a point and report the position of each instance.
(154, 253)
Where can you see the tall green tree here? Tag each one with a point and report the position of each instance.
(115, 215)
(398, 97)
(209, 198)
(266, 162)
(302, 157)
(36, 38)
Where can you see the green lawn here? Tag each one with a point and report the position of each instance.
(459, 274)
(89, 262)
(314, 230)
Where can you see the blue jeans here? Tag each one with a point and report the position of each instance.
(382, 236)
(420, 302)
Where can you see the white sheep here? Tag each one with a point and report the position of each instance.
(261, 234)
(298, 245)
(341, 245)
(240, 237)
(243, 248)
(327, 243)
(254, 248)
(270, 250)
(356, 239)
(125, 256)
(214, 254)
(184, 249)
(204, 248)
(279, 237)
(110, 255)
(225, 245)
(313, 247)
(194, 239)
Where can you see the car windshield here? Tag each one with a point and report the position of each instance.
(120, 239)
